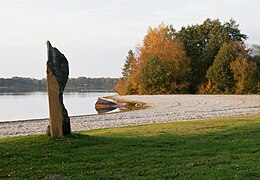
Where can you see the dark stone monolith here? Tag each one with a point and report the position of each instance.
(57, 77)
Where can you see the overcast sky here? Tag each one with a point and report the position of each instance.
(95, 35)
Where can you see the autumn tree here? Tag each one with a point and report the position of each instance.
(163, 43)
(125, 87)
(245, 78)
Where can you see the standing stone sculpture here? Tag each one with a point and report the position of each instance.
(57, 77)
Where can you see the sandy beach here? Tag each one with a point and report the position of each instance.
(162, 108)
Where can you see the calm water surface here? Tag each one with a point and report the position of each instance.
(34, 105)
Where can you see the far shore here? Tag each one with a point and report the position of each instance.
(162, 108)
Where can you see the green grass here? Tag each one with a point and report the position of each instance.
(227, 148)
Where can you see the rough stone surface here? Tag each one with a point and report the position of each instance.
(57, 77)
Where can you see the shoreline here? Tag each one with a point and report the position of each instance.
(139, 104)
(162, 108)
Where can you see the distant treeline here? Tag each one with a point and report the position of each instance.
(21, 84)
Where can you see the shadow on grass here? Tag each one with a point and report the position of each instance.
(224, 154)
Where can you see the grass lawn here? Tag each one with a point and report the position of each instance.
(227, 148)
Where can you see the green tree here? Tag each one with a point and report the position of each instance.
(220, 73)
(153, 79)
(202, 43)
(233, 31)
(126, 83)
(129, 65)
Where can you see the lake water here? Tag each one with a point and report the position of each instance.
(34, 105)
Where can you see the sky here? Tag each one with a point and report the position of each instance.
(95, 35)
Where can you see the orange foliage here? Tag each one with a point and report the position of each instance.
(162, 43)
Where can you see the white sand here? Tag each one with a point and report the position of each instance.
(163, 108)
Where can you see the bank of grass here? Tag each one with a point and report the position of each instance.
(226, 148)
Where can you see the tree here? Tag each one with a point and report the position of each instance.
(233, 31)
(219, 73)
(130, 64)
(255, 57)
(126, 83)
(152, 77)
(160, 42)
(203, 42)
(254, 52)
(125, 87)
(189, 57)
(163, 43)
(244, 75)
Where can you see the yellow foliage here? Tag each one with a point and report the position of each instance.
(161, 43)
(244, 75)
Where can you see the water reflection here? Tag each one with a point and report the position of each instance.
(107, 110)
